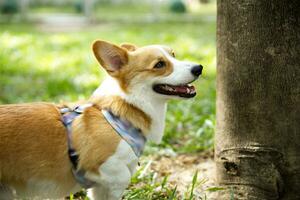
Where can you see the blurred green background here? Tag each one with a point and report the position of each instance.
(45, 55)
(44, 58)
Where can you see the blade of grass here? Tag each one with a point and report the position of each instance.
(194, 182)
(172, 197)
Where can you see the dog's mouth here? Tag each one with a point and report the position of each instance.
(186, 91)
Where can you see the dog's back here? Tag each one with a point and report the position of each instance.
(34, 157)
(31, 135)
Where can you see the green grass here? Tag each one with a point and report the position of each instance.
(54, 9)
(42, 66)
(38, 66)
(146, 187)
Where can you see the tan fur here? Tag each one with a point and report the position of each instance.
(129, 47)
(126, 111)
(99, 134)
(143, 60)
(33, 139)
(98, 142)
(33, 145)
(135, 64)
(33, 142)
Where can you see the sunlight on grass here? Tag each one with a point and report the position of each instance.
(38, 66)
(42, 66)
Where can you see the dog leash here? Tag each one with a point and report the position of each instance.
(132, 135)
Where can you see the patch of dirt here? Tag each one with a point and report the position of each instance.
(181, 169)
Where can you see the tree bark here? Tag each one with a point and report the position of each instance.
(257, 144)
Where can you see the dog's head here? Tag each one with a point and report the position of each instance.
(149, 70)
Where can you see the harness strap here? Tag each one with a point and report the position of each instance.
(133, 136)
(68, 116)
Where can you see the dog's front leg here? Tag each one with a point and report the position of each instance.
(114, 178)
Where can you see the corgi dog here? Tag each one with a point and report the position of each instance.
(48, 151)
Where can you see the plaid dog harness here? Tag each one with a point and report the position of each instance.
(133, 136)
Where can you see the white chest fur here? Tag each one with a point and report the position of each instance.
(116, 172)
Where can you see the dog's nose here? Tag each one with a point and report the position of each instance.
(197, 70)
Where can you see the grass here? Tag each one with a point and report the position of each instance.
(61, 67)
(147, 187)
(42, 66)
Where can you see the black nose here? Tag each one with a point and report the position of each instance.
(197, 70)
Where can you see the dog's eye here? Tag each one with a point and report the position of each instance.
(160, 64)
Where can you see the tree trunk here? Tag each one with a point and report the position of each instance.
(257, 148)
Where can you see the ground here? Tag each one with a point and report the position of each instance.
(51, 61)
(176, 172)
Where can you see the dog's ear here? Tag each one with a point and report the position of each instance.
(110, 56)
(129, 47)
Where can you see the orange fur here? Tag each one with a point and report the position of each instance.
(94, 139)
(33, 145)
(136, 63)
(129, 47)
(33, 142)
(143, 60)
(33, 139)
(126, 111)
(100, 136)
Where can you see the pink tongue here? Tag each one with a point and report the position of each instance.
(182, 89)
